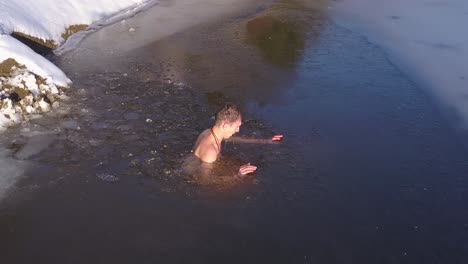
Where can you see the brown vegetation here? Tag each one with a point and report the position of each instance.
(72, 30)
(7, 65)
(47, 43)
(50, 43)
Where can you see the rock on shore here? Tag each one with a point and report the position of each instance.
(23, 93)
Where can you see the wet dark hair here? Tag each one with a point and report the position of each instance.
(228, 113)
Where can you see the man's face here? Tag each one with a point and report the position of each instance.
(232, 128)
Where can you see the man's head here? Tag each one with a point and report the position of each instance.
(229, 120)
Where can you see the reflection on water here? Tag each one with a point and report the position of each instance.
(280, 41)
(262, 69)
(284, 29)
(216, 98)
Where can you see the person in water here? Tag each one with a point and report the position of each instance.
(227, 122)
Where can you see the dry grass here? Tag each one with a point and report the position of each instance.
(50, 43)
(22, 93)
(73, 29)
(47, 43)
(7, 65)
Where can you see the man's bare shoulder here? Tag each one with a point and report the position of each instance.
(204, 148)
(201, 138)
(209, 154)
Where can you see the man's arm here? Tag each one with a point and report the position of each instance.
(275, 139)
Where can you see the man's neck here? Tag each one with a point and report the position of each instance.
(218, 133)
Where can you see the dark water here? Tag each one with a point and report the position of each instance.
(369, 171)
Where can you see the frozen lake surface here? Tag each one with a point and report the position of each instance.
(370, 170)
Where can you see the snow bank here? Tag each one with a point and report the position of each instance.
(427, 39)
(48, 19)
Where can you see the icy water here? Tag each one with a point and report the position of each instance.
(368, 172)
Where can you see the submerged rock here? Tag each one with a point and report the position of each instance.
(131, 116)
(71, 124)
(107, 177)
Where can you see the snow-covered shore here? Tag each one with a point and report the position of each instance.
(426, 39)
(32, 83)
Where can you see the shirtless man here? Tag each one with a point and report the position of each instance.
(227, 122)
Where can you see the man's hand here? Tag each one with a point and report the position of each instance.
(247, 168)
(277, 138)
